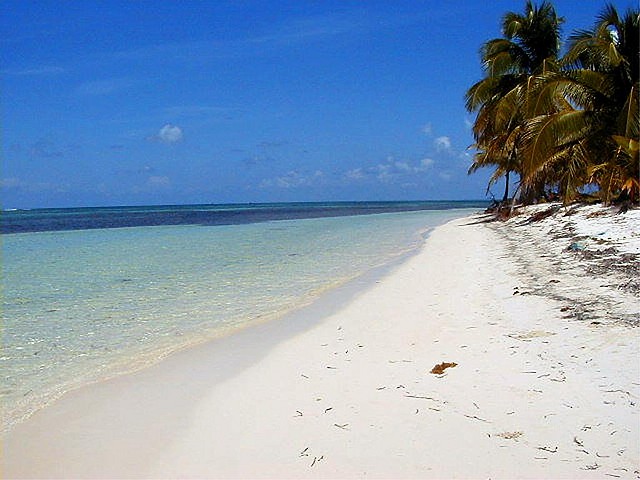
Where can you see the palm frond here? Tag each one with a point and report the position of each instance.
(546, 134)
(629, 119)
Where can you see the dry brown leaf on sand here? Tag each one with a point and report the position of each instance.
(441, 367)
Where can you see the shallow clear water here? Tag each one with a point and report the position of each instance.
(83, 305)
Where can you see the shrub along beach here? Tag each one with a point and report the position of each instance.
(506, 345)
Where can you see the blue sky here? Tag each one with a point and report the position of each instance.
(159, 102)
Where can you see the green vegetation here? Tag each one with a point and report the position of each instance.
(566, 125)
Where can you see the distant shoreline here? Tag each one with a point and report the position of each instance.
(87, 218)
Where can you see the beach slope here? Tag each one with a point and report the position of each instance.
(344, 389)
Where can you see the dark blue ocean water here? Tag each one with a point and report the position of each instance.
(46, 220)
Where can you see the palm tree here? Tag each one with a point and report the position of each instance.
(530, 47)
(496, 131)
(586, 124)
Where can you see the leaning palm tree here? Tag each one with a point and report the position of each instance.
(586, 124)
(496, 130)
(530, 47)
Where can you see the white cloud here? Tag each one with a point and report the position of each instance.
(442, 144)
(425, 164)
(402, 166)
(386, 172)
(355, 174)
(391, 171)
(170, 134)
(427, 129)
(293, 179)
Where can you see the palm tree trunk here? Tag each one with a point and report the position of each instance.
(513, 202)
(506, 187)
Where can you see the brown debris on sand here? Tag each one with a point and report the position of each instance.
(441, 367)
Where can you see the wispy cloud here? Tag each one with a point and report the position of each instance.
(47, 149)
(267, 151)
(104, 87)
(158, 181)
(293, 179)
(355, 174)
(11, 182)
(271, 144)
(197, 111)
(14, 183)
(290, 32)
(43, 70)
(390, 171)
(425, 164)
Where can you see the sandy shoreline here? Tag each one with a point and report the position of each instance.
(547, 382)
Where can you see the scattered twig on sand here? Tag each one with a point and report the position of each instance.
(316, 460)
(343, 426)
(618, 390)
(549, 449)
(298, 413)
(477, 418)
(421, 396)
(304, 453)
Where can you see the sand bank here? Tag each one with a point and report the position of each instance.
(546, 383)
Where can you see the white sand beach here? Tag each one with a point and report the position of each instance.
(547, 381)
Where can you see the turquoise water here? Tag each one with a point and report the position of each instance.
(83, 305)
